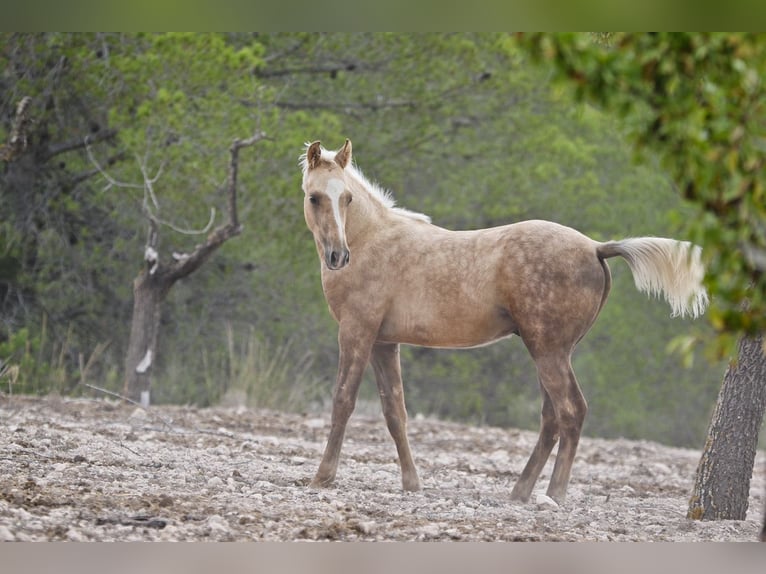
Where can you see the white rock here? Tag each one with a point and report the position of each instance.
(75, 535)
(217, 523)
(367, 527)
(215, 482)
(546, 502)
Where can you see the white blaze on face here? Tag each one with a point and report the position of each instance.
(334, 188)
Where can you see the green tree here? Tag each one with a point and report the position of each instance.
(60, 262)
(169, 104)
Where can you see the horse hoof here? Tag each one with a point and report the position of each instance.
(321, 483)
(411, 486)
(519, 497)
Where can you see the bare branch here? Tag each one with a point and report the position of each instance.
(148, 187)
(149, 181)
(152, 237)
(85, 175)
(236, 145)
(149, 193)
(168, 422)
(111, 181)
(153, 217)
(79, 143)
(189, 263)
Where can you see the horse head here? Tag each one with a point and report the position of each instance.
(326, 201)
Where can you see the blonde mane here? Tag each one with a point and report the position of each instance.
(377, 192)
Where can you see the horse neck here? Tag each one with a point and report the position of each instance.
(366, 215)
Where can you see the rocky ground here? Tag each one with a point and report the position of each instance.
(93, 469)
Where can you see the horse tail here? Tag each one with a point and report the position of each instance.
(659, 265)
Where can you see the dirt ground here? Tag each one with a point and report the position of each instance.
(95, 469)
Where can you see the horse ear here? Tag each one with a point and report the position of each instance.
(343, 157)
(314, 154)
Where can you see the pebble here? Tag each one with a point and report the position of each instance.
(430, 531)
(367, 527)
(215, 482)
(217, 523)
(75, 535)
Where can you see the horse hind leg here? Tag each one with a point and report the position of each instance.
(388, 376)
(562, 395)
(549, 434)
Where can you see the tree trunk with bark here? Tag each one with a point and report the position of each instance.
(148, 294)
(722, 484)
(157, 277)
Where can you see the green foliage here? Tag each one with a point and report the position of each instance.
(38, 366)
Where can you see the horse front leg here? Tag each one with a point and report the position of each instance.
(388, 376)
(354, 344)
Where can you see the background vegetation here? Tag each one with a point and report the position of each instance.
(462, 127)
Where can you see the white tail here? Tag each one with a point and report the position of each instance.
(659, 265)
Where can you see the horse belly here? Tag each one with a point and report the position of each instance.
(448, 327)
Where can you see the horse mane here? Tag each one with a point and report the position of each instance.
(377, 192)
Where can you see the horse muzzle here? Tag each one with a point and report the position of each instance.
(336, 258)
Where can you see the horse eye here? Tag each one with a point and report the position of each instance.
(349, 199)
(313, 199)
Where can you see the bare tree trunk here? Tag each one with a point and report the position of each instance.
(722, 485)
(148, 293)
(157, 277)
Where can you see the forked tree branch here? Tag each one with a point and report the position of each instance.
(188, 263)
(85, 175)
(110, 180)
(184, 263)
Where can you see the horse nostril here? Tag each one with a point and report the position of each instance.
(338, 259)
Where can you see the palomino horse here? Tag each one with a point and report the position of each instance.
(391, 277)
